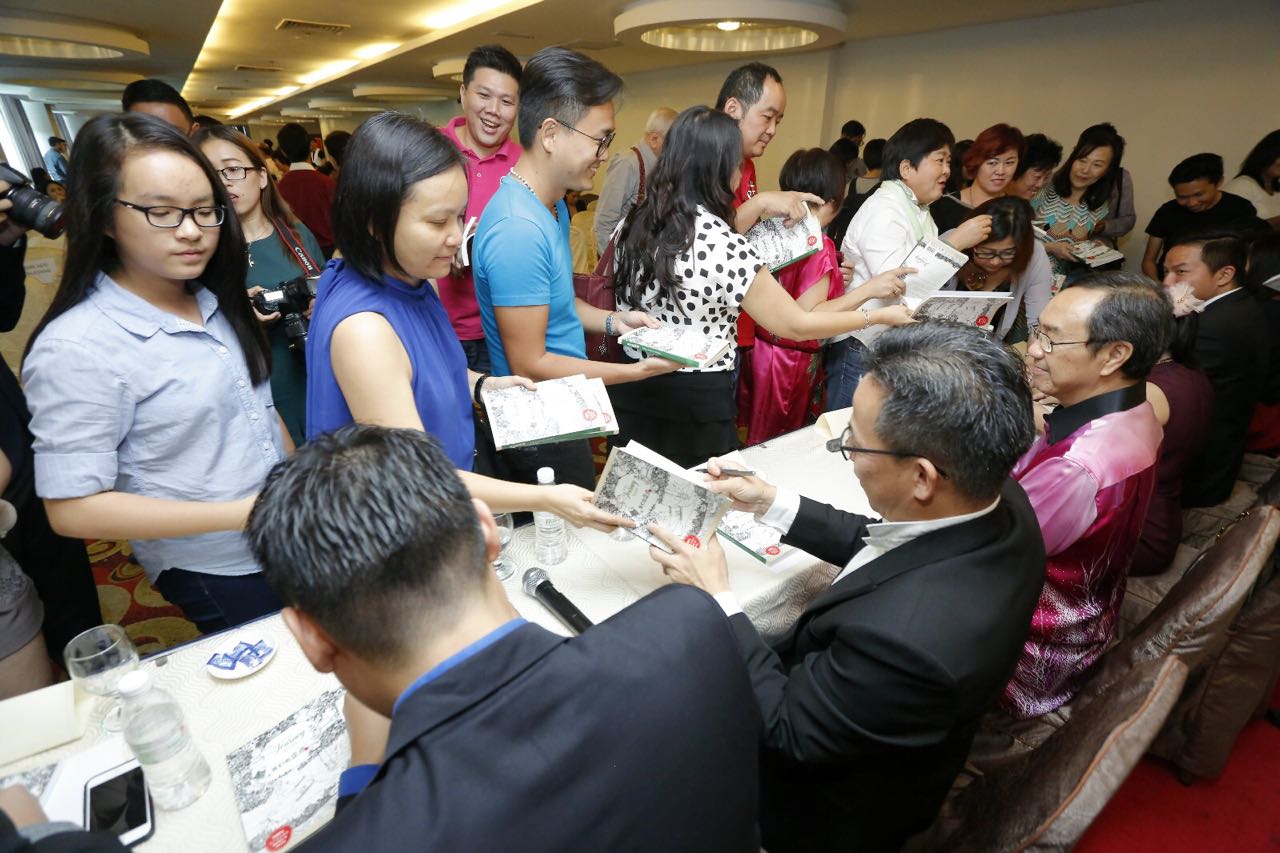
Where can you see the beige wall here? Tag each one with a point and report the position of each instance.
(1176, 76)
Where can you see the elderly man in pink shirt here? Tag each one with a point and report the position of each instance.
(490, 97)
(1090, 476)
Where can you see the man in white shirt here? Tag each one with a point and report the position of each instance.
(916, 166)
(628, 172)
(871, 700)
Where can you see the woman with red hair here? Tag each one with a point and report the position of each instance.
(990, 163)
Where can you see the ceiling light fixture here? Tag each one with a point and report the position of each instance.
(402, 93)
(55, 37)
(455, 13)
(250, 107)
(449, 69)
(285, 90)
(717, 26)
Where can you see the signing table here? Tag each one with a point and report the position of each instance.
(602, 575)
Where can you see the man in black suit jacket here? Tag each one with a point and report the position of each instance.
(871, 700)
(640, 734)
(1232, 347)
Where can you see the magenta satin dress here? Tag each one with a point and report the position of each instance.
(784, 373)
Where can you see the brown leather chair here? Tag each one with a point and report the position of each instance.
(1046, 799)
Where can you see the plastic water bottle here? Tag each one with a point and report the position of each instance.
(550, 544)
(176, 773)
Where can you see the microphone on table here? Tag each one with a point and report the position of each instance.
(538, 585)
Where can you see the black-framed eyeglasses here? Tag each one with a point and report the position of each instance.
(602, 143)
(168, 216)
(838, 445)
(1047, 343)
(235, 173)
(992, 254)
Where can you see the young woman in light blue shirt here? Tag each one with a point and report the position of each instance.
(147, 378)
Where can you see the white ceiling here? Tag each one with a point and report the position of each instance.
(245, 33)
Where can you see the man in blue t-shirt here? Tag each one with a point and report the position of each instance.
(523, 268)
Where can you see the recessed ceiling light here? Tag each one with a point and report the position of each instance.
(716, 26)
(53, 37)
(372, 51)
(401, 93)
(449, 69)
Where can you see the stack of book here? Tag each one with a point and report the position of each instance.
(682, 344)
(557, 410)
(779, 246)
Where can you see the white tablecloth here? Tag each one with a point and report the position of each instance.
(601, 576)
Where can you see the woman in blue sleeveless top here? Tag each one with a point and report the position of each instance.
(380, 348)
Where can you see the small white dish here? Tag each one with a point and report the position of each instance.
(243, 654)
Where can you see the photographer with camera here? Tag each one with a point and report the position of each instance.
(58, 566)
(147, 377)
(284, 263)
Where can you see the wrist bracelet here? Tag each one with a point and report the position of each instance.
(476, 393)
(608, 325)
(866, 316)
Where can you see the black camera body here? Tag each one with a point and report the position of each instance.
(31, 208)
(290, 299)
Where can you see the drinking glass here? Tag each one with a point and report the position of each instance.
(506, 529)
(96, 661)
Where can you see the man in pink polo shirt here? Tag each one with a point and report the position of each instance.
(490, 96)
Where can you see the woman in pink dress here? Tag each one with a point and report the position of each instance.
(785, 375)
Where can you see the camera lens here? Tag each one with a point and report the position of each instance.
(36, 210)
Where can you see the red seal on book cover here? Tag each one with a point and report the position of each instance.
(982, 320)
(589, 414)
(773, 550)
(278, 839)
(606, 417)
(699, 355)
(813, 240)
(693, 540)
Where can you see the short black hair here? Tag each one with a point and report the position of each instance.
(153, 91)
(1133, 309)
(844, 150)
(812, 170)
(206, 121)
(745, 84)
(956, 396)
(56, 140)
(493, 56)
(370, 532)
(295, 142)
(562, 84)
(335, 145)
(1038, 152)
(1264, 259)
(389, 153)
(873, 153)
(852, 128)
(912, 142)
(1198, 167)
(1218, 249)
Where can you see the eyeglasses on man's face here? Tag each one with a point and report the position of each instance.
(602, 142)
(168, 216)
(1047, 343)
(841, 445)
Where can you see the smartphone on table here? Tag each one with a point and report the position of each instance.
(117, 801)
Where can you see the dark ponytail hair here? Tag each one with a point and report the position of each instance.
(703, 148)
(96, 164)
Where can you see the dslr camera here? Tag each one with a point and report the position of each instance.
(291, 299)
(31, 209)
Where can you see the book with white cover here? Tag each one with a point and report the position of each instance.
(779, 246)
(1096, 253)
(557, 410)
(683, 344)
(976, 308)
(935, 263)
(645, 486)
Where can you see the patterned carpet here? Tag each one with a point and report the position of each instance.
(128, 598)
